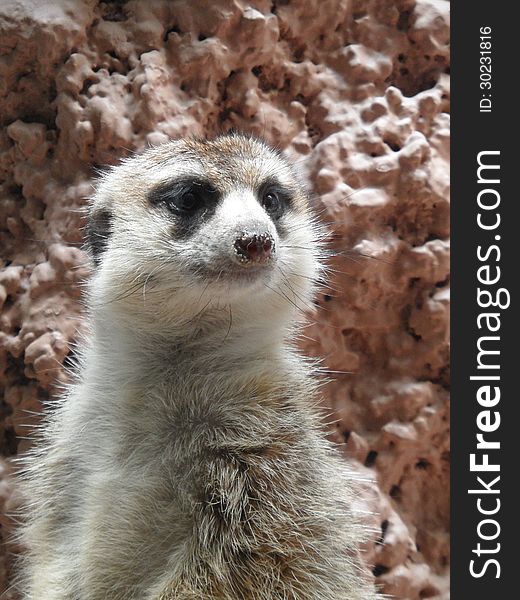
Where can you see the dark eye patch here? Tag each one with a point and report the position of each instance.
(275, 198)
(97, 233)
(185, 197)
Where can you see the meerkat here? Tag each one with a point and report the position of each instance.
(187, 461)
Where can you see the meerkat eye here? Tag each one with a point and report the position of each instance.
(271, 202)
(275, 199)
(184, 196)
(186, 203)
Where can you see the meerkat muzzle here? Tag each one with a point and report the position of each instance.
(254, 248)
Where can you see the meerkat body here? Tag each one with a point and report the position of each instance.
(188, 461)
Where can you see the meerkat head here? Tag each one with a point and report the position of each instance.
(197, 227)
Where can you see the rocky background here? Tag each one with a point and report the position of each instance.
(357, 92)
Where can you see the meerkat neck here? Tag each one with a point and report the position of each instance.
(122, 356)
(231, 335)
(236, 368)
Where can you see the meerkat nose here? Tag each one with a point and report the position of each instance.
(254, 248)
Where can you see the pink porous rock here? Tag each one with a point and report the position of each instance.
(357, 93)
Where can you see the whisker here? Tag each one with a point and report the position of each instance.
(152, 272)
(288, 285)
(230, 324)
(282, 295)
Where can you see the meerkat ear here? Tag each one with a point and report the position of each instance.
(97, 233)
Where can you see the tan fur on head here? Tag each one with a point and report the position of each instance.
(145, 246)
(187, 461)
